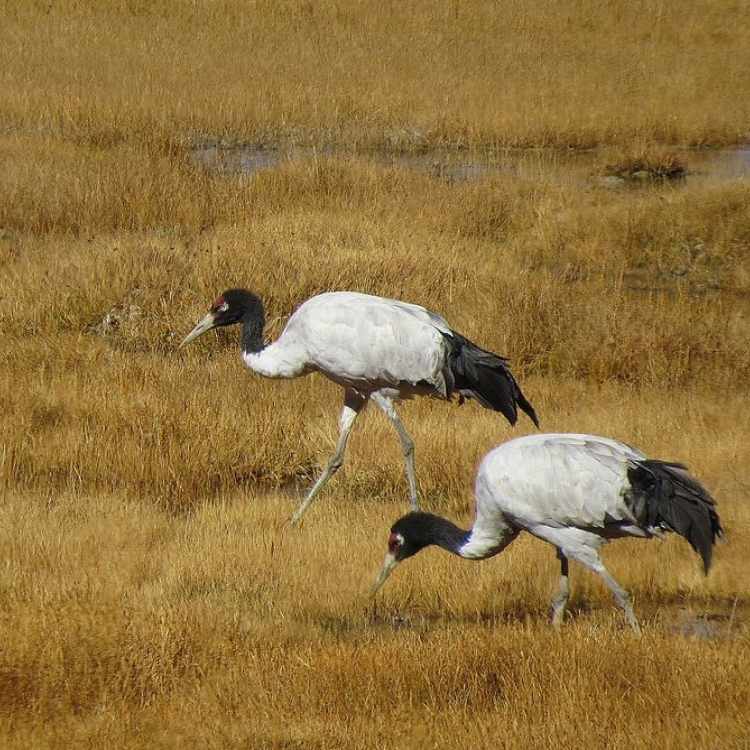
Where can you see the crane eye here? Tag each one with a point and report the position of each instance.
(223, 307)
(394, 542)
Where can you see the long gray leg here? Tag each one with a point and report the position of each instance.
(622, 598)
(561, 598)
(353, 405)
(590, 558)
(407, 444)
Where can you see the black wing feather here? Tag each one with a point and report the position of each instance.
(664, 494)
(487, 377)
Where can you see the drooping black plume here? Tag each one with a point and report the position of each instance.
(664, 494)
(486, 377)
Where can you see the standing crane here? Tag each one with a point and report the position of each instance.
(575, 492)
(377, 349)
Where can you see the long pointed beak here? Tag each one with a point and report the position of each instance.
(204, 325)
(389, 564)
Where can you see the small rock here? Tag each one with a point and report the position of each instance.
(115, 318)
(610, 181)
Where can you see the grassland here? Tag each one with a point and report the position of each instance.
(401, 75)
(151, 595)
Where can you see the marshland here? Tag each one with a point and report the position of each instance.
(552, 177)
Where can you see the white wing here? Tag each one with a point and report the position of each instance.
(557, 480)
(423, 314)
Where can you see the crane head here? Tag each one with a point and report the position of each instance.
(229, 308)
(406, 539)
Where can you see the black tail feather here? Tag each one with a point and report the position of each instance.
(526, 406)
(664, 494)
(487, 377)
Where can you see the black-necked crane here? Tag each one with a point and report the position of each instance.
(575, 492)
(377, 349)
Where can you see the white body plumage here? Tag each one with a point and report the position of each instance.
(567, 486)
(362, 342)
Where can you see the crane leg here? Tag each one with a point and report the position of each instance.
(407, 444)
(622, 598)
(590, 558)
(561, 598)
(354, 403)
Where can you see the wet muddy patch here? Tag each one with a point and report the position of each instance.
(703, 625)
(719, 618)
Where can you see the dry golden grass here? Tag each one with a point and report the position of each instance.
(401, 75)
(151, 594)
(127, 626)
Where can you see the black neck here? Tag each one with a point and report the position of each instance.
(253, 323)
(424, 529)
(449, 536)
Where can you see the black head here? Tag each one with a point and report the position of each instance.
(229, 308)
(412, 533)
(409, 534)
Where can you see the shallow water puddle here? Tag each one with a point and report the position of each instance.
(728, 163)
(238, 159)
(454, 166)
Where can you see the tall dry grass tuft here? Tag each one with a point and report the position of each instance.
(644, 162)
